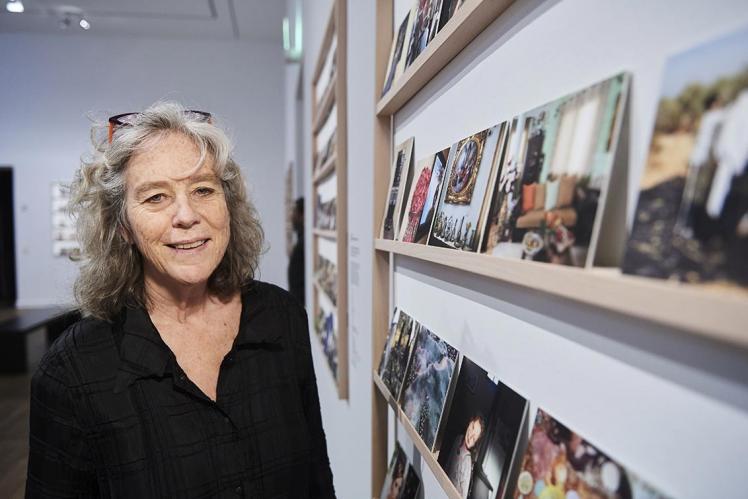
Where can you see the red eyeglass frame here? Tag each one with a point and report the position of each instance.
(116, 120)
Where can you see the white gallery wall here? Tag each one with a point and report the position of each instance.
(52, 82)
(671, 406)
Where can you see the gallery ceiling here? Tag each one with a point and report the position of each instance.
(251, 20)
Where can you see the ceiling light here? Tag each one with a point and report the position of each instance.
(85, 24)
(14, 6)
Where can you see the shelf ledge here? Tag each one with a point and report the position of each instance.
(327, 234)
(716, 314)
(324, 108)
(325, 170)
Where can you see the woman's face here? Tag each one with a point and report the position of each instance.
(473, 433)
(178, 216)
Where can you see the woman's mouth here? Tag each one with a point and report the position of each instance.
(188, 246)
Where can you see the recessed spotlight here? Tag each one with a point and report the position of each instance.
(14, 6)
(85, 24)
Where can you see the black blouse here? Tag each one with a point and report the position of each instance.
(113, 414)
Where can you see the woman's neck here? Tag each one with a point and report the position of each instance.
(177, 302)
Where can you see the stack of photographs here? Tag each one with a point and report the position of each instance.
(691, 221)
(531, 188)
(481, 435)
(401, 481)
(414, 33)
(473, 425)
(560, 463)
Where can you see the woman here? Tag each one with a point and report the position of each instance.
(187, 377)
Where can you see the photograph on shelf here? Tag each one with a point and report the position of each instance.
(547, 201)
(325, 212)
(396, 352)
(326, 276)
(325, 325)
(401, 481)
(426, 15)
(416, 200)
(396, 62)
(426, 216)
(560, 463)
(395, 479)
(449, 7)
(412, 484)
(691, 220)
(481, 434)
(399, 178)
(427, 383)
(461, 213)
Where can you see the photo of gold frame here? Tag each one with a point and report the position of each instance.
(465, 169)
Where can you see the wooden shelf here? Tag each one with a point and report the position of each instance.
(426, 455)
(327, 234)
(468, 21)
(326, 169)
(325, 106)
(713, 313)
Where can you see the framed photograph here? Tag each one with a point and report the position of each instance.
(399, 183)
(427, 383)
(397, 352)
(561, 463)
(547, 202)
(396, 62)
(426, 17)
(481, 434)
(461, 211)
(691, 220)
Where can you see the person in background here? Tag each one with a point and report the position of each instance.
(296, 260)
(187, 377)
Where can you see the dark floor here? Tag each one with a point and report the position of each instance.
(14, 434)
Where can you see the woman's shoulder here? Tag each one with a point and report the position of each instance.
(85, 348)
(272, 295)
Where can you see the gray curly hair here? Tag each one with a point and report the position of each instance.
(111, 272)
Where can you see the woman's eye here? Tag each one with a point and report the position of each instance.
(204, 191)
(156, 198)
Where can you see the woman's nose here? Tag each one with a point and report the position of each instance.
(185, 215)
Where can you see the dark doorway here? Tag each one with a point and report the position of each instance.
(7, 240)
